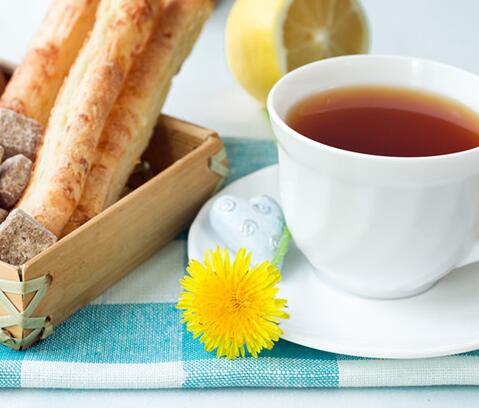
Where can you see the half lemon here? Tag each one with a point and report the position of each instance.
(265, 39)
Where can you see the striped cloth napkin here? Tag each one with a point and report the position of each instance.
(131, 337)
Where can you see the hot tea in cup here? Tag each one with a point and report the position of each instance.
(379, 170)
(386, 121)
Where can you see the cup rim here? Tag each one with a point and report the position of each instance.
(313, 144)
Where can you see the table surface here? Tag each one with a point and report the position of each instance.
(205, 93)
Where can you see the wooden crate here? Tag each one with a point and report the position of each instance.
(187, 163)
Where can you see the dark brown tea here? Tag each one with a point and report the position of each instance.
(386, 121)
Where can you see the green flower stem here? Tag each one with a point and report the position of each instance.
(283, 246)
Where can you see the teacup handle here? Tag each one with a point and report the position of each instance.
(471, 257)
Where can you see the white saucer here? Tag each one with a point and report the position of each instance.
(442, 321)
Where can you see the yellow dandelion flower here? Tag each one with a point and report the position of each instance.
(231, 306)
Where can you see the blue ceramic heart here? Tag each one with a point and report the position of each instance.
(256, 224)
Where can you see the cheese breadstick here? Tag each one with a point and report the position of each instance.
(131, 122)
(121, 30)
(35, 84)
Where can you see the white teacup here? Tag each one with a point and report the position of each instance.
(378, 226)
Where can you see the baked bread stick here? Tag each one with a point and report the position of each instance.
(134, 115)
(26, 104)
(121, 30)
(35, 83)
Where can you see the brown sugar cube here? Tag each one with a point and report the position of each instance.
(14, 176)
(3, 214)
(21, 238)
(19, 134)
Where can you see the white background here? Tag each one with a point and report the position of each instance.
(205, 93)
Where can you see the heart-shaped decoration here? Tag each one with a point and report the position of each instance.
(257, 224)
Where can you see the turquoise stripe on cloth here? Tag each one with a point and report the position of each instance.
(131, 337)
